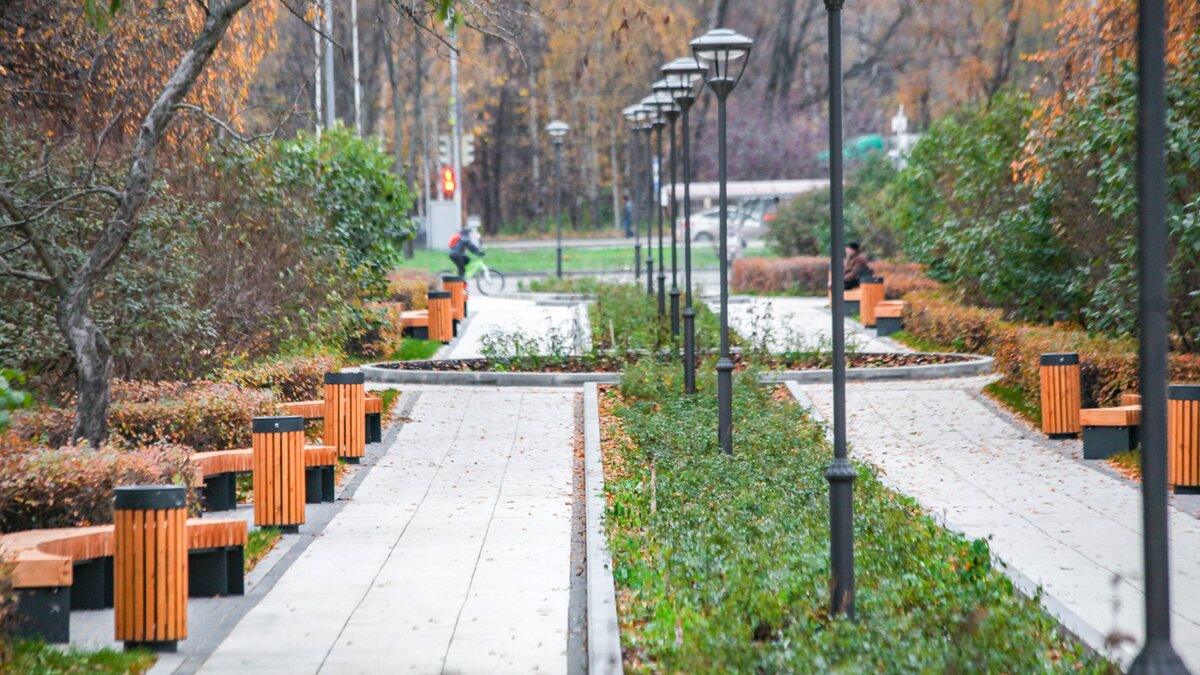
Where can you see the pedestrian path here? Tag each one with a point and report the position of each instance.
(454, 555)
(1057, 522)
(487, 316)
(794, 322)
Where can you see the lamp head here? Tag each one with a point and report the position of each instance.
(557, 129)
(723, 54)
(684, 77)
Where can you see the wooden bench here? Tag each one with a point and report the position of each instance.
(1109, 431)
(853, 299)
(218, 471)
(315, 410)
(889, 317)
(415, 323)
(57, 570)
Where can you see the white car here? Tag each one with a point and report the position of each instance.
(706, 224)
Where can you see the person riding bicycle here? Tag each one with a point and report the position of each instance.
(459, 245)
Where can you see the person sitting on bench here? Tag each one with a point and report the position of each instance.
(856, 266)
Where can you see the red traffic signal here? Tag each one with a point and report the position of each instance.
(449, 183)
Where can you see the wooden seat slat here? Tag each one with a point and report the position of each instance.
(373, 405)
(414, 318)
(1120, 416)
(889, 310)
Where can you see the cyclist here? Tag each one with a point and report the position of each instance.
(459, 245)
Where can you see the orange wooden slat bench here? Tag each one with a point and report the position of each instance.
(1109, 431)
(1061, 397)
(315, 410)
(60, 569)
(415, 323)
(889, 317)
(1183, 438)
(218, 471)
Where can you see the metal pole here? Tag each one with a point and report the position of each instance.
(649, 209)
(724, 363)
(316, 8)
(839, 473)
(558, 204)
(633, 181)
(657, 197)
(358, 117)
(330, 99)
(455, 129)
(689, 314)
(1158, 655)
(672, 116)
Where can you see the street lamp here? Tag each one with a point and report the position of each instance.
(839, 473)
(1157, 655)
(648, 116)
(672, 114)
(718, 52)
(633, 115)
(683, 75)
(660, 103)
(557, 130)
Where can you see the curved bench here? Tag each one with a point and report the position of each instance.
(218, 471)
(60, 569)
(315, 410)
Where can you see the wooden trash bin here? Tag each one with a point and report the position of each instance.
(441, 316)
(279, 472)
(1183, 438)
(345, 415)
(150, 566)
(457, 288)
(872, 295)
(1061, 397)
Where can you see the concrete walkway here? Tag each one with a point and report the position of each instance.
(1056, 521)
(792, 322)
(488, 315)
(454, 555)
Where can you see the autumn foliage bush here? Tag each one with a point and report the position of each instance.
(900, 279)
(410, 287)
(934, 317)
(291, 378)
(202, 415)
(72, 485)
(801, 275)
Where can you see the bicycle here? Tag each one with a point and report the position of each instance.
(487, 280)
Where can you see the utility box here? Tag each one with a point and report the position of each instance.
(443, 224)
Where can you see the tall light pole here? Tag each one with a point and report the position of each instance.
(649, 115)
(557, 130)
(633, 115)
(683, 74)
(720, 50)
(660, 103)
(1158, 655)
(672, 114)
(839, 473)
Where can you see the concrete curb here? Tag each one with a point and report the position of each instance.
(1069, 622)
(603, 627)
(977, 365)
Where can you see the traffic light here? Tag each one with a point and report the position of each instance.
(467, 158)
(449, 183)
(444, 148)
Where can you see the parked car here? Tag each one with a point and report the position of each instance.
(706, 224)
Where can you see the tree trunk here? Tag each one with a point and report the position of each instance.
(93, 355)
(1004, 59)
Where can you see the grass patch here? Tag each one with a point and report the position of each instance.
(722, 562)
(259, 543)
(542, 260)
(1129, 463)
(917, 343)
(244, 487)
(389, 397)
(36, 657)
(1013, 399)
(416, 350)
(582, 285)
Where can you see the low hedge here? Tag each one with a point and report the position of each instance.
(802, 275)
(410, 288)
(722, 562)
(934, 317)
(901, 279)
(202, 415)
(72, 485)
(291, 378)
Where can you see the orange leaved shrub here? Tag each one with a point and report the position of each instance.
(934, 317)
(900, 279)
(291, 378)
(411, 288)
(803, 275)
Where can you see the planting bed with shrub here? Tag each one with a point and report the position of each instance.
(722, 563)
(809, 275)
(294, 378)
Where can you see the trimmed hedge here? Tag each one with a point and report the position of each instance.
(201, 415)
(803, 275)
(900, 279)
(72, 485)
(291, 378)
(934, 317)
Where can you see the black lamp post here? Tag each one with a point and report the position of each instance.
(660, 103)
(683, 74)
(1158, 655)
(839, 473)
(672, 114)
(648, 115)
(719, 51)
(557, 130)
(633, 115)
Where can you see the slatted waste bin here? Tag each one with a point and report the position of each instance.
(279, 472)
(345, 415)
(1061, 397)
(441, 316)
(872, 295)
(457, 288)
(150, 566)
(1183, 437)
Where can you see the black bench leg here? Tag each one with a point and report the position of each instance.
(44, 613)
(92, 587)
(220, 492)
(312, 485)
(328, 488)
(216, 572)
(1104, 442)
(374, 427)
(235, 567)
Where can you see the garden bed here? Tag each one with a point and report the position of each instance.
(614, 364)
(721, 562)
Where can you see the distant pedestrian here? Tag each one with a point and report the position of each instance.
(856, 266)
(627, 217)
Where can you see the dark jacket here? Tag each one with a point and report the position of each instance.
(465, 244)
(856, 267)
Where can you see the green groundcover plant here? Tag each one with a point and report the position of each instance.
(722, 563)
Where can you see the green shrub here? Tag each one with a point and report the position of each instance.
(11, 398)
(722, 562)
(290, 378)
(72, 485)
(202, 415)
